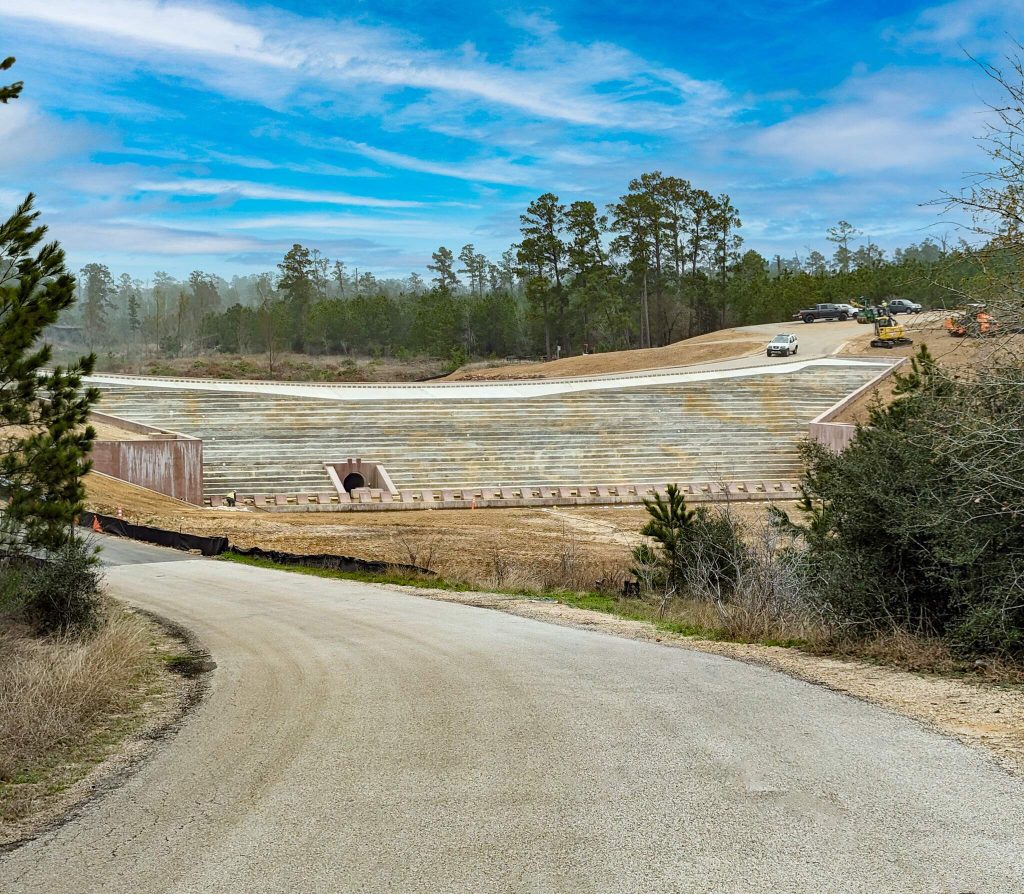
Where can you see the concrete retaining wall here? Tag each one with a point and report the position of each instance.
(838, 435)
(375, 499)
(166, 462)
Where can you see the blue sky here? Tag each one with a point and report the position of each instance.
(213, 135)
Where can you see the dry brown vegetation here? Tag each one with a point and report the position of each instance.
(286, 367)
(62, 700)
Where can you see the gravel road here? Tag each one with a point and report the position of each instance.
(357, 739)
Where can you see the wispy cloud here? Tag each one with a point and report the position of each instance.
(249, 190)
(951, 28)
(494, 170)
(888, 121)
(551, 78)
(190, 28)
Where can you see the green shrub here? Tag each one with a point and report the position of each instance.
(917, 525)
(58, 594)
(695, 544)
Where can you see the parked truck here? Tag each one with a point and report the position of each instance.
(823, 312)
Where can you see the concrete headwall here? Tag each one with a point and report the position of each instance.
(838, 435)
(166, 462)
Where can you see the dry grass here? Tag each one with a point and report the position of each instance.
(56, 693)
(288, 367)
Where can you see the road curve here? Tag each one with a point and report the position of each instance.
(359, 739)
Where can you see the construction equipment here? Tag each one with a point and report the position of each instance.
(888, 333)
(975, 321)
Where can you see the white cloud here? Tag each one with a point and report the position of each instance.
(427, 228)
(190, 28)
(133, 237)
(485, 171)
(971, 25)
(29, 138)
(248, 190)
(549, 78)
(881, 122)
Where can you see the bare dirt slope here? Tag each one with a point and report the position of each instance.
(529, 548)
(467, 544)
(105, 494)
(724, 345)
(955, 354)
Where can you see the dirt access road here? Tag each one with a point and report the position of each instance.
(741, 346)
(356, 738)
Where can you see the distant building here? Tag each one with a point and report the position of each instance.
(65, 335)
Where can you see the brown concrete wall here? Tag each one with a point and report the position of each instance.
(172, 466)
(838, 435)
(834, 435)
(128, 425)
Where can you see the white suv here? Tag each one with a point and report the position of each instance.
(782, 346)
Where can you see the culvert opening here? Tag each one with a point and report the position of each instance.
(352, 481)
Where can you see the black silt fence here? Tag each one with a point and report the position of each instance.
(330, 562)
(214, 546)
(108, 524)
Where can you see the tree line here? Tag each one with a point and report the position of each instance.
(661, 263)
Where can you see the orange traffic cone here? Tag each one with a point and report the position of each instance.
(96, 524)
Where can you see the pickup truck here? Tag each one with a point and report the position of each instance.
(823, 312)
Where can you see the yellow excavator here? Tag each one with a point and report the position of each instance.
(888, 333)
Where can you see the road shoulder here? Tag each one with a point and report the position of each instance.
(174, 682)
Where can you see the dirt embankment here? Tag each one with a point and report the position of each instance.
(724, 345)
(464, 544)
(959, 355)
(105, 431)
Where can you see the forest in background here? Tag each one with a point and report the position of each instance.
(664, 262)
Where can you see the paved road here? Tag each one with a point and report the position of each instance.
(357, 739)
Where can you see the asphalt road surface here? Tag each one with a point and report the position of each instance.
(359, 739)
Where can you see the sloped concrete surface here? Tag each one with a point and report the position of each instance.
(734, 425)
(357, 739)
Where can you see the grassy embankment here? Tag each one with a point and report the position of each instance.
(68, 702)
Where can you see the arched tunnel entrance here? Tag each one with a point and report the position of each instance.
(354, 474)
(352, 481)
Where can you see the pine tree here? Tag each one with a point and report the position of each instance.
(444, 267)
(98, 289)
(9, 91)
(134, 321)
(840, 235)
(44, 411)
(296, 283)
(339, 277)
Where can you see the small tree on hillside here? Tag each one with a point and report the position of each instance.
(695, 546)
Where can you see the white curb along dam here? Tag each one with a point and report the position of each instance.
(656, 427)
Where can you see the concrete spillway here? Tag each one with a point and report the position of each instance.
(646, 428)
